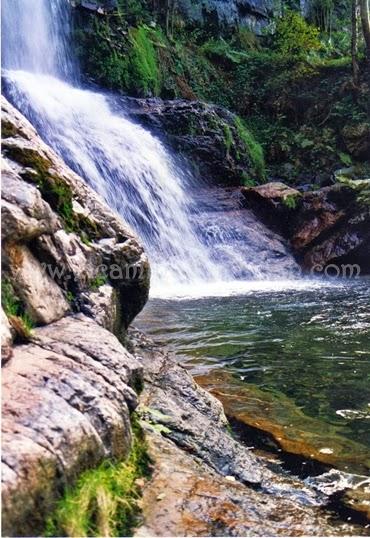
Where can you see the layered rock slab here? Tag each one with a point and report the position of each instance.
(67, 398)
(327, 228)
(57, 234)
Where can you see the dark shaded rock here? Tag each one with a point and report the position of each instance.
(274, 202)
(357, 140)
(325, 227)
(227, 13)
(209, 135)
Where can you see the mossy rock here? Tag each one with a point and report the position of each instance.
(54, 189)
(217, 142)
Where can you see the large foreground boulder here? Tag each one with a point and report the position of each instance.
(60, 242)
(328, 228)
(67, 399)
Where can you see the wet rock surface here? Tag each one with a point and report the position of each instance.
(218, 212)
(206, 134)
(325, 227)
(205, 482)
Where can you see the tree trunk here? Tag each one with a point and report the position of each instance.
(168, 13)
(173, 10)
(355, 68)
(365, 19)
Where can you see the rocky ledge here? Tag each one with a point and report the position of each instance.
(214, 139)
(327, 228)
(73, 376)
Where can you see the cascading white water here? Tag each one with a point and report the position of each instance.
(128, 166)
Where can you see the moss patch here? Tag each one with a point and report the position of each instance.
(54, 190)
(98, 281)
(8, 129)
(15, 310)
(253, 149)
(145, 73)
(104, 501)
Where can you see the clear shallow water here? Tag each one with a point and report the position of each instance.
(311, 345)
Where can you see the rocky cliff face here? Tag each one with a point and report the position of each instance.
(61, 243)
(251, 13)
(73, 274)
(215, 140)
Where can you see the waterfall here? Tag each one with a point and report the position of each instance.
(129, 167)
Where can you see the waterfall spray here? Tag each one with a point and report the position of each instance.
(130, 168)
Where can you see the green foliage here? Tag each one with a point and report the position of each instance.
(221, 52)
(9, 301)
(290, 201)
(294, 37)
(360, 186)
(70, 297)
(253, 148)
(246, 39)
(14, 308)
(345, 158)
(293, 88)
(134, 11)
(104, 501)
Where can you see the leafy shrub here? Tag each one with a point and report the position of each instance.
(294, 37)
(254, 149)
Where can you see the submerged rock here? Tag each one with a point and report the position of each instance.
(288, 426)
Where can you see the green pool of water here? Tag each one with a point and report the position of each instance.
(312, 346)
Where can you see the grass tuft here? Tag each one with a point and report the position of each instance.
(105, 501)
